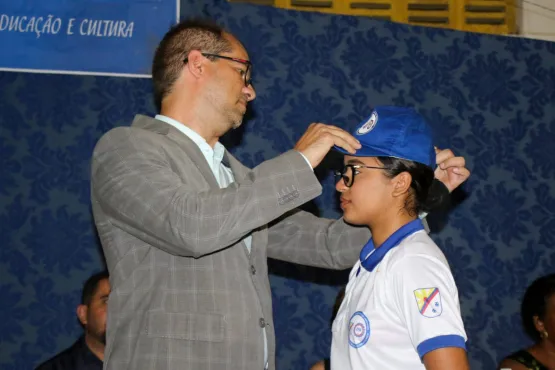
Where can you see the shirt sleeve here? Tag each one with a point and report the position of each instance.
(307, 161)
(427, 299)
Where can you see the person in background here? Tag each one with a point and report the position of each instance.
(401, 307)
(538, 318)
(87, 353)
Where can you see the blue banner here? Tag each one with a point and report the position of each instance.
(100, 37)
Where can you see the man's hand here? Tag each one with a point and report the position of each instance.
(451, 170)
(320, 138)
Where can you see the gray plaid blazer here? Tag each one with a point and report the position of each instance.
(185, 292)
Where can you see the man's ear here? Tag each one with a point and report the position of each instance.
(401, 183)
(195, 63)
(82, 314)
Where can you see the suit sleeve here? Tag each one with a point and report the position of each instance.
(426, 297)
(300, 237)
(134, 185)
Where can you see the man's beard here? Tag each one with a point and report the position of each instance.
(237, 123)
(237, 116)
(236, 119)
(101, 337)
(231, 114)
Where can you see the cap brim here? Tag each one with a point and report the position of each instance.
(365, 151)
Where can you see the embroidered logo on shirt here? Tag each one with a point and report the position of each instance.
(428, 301)
(359, 330)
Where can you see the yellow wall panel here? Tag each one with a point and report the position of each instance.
(486, 16)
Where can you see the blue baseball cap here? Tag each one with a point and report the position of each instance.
(395, 132)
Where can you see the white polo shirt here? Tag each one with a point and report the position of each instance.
(400, 303)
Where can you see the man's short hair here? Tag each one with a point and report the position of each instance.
(89, 289)
(177, 43)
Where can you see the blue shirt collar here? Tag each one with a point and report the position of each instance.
(370, 257)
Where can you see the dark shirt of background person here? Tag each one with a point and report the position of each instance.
(87, 353)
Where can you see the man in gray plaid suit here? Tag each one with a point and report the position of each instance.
(186, 229)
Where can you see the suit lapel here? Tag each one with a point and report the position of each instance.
(259, 237)
(184, 143)
(239, 171)
(196, 156)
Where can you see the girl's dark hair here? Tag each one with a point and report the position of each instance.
(427, 193)
(534, 303)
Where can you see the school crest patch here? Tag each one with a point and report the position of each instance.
(428, 301)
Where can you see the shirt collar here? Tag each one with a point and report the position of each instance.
(370, 257)
(85, 354)
(216, 153)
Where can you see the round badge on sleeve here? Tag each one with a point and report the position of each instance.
(359, 330)
(368, 125)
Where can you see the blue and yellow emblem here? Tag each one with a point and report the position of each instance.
(428, 301)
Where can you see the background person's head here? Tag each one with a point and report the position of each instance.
(192, 74)
(92, 310)
(538, 309)
(393, 173)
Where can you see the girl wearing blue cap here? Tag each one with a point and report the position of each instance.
(401, 307)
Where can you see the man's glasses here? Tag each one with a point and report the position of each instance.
(350, 170)
(245, 74)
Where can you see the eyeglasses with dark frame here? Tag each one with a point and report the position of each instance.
(350, 170)
(245, 74)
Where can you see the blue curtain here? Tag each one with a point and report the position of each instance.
(491, 99)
